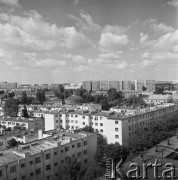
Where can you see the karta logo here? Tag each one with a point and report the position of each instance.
(114, 171)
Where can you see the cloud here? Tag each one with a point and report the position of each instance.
(145, 55)
(109, 55)
(34, 32)
(143, 37)
(85, 21)
(173, 3)
(75, 2)
(158, 26)
(10, 2)
(74, 58)
(146, 62)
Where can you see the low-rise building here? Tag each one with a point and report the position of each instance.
(45, 159)
(31, 124)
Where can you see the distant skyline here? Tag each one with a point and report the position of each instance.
(60, 41)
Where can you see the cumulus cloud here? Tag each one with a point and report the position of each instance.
(75, 2)
(34, 32)
(10, 2)
(158, 26)
(173, 3)
(143, 37)
(85, 21)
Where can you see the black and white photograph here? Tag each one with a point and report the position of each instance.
(88, 89)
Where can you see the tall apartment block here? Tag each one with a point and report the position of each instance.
(104, 85)
(8, 85)
(139, 84)
(87, 85)
(126, 85)
(95, 85)
(150, 85)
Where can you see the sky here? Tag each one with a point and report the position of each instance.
(58, 41)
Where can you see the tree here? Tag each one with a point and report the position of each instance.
(104, 103)
(112, 94)
(61, 89)
(101, 147)
(24, 99)
(25, 112)
(73, 169)
(143, 88)
(11, 94)
(11, 107)
(170, 100)
(12, 142)
(88, 129)
(40, 96)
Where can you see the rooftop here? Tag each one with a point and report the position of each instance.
(19, 119)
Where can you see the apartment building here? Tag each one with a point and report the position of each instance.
(31, 124)
(117, 126)
(45, 159)
(150, 85)
(157, 99)
(95, 85)
(87, 85)
(126, 85)
(104, 85)
(8, 85)
(139, 84)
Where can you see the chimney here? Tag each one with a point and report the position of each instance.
(168, 143)
(40, 134)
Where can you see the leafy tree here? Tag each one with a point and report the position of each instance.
(101, 147)
(97, 98)
(104, 103)
(67, 93)
(35, 101)
(11, 107)
(8, 129)
(143, 88)
(88, 129)
(11, 94)
(112, 94)
(40, 96)
(61, 89)
(116, 151)
(24, 99)
(12, 142)
(80, 92)
(73, 169)
(94, 171)
(2, 92)
(25, 112)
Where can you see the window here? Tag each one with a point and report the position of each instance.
(23, 177)
(62, 151)
(12, 169)
(38, 171)
(116, 122)
(85, 161)
(101, 124)
(76, 115)
(76, 122)
(0, 173)
(85, 151)
(47, 156)
(79, 154)
(55, 153)
(37, 160)
(31, 162)
(62, 161)
(66, 149)
(14, 179)
(83, 117)
(101, 118)
(1, 143)
(22, 165)
(101, 130)
(48, 167)
(56, 116)
(85, 143)
(56, 174)
(71, 115)
(79, 145)
(55, 164)
(96, 124)
(116, 129)
(73, 146)
(56, 121)
(72, 121)
(60, 121)
(31, 174)
(83, 123)
(116, 136)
